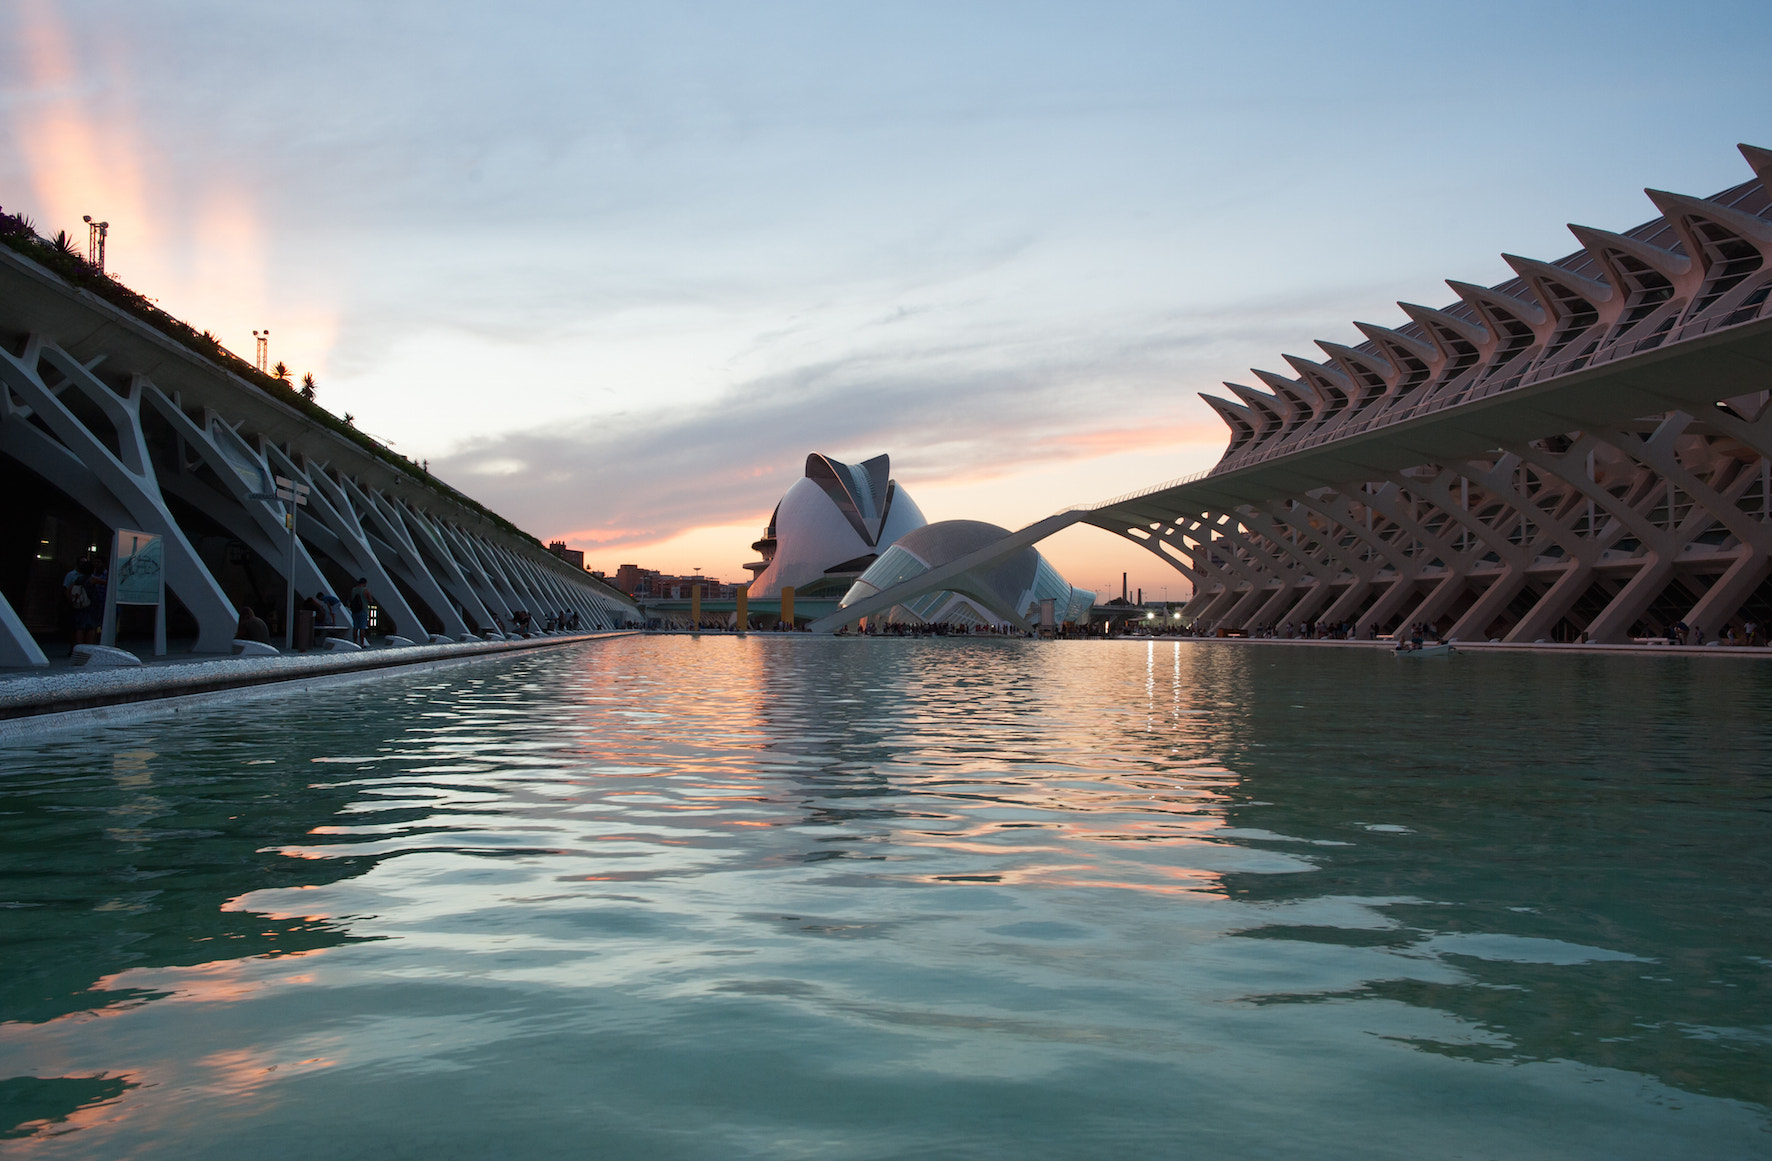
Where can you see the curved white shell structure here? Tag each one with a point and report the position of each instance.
(1006, 591)
(830, 526)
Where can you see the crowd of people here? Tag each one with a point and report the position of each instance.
(1315, 631)
(1749, 633)
(352, 615)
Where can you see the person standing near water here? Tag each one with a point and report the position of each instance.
(86, 620)
(361, 599)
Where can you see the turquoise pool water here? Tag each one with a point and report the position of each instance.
(715, 898)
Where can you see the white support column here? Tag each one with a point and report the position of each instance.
(372, 506)
(531, 601)
(1721, 601)
(18, 648)
(1258, 574)
(1262, 559)
(1582, 553)
(1299, 595)
(448, 571)
(331, 506)
(1168, 548)
(503, 595)
(1338, 513)
(473, 571)
(1388, 499)
(128, 477)
(1217, 603)
(256, 523)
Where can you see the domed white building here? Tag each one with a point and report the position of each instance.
(830, 526)
(1010, 591)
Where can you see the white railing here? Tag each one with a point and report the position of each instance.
(1141, 493)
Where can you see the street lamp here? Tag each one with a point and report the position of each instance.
(294, 496)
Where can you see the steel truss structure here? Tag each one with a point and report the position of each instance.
(1583, 449)
(141, 433)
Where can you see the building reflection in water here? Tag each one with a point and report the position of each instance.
(1524, 845)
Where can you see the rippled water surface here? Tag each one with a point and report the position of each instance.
(778, 898)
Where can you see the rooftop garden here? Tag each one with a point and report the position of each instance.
(61, 256)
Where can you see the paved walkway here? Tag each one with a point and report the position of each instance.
(1632, 650)
(61, 688)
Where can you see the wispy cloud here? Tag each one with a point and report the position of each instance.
(944, 414)
(616, 268)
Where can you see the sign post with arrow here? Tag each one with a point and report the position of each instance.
(293, 495)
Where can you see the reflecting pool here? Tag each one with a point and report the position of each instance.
(679, 897)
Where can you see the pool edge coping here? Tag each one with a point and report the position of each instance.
(206, 681)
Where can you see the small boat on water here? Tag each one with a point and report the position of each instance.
(1439, 649)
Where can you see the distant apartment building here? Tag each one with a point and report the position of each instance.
(571, 556)
(649, 582)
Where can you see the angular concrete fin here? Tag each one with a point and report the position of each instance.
(1242, 423)
(1540, 275)
(1270, 408)
(1681, 209)
(1761, 160)
(1429, 318)
(1301, 396)
(1487, 301)
(1220, 403)
(1354, 364)
(1388, 340)
(1310, 372)
(1602, 244)
(1326, 382)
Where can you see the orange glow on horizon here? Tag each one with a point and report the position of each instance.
(196, 246)
(77, 165)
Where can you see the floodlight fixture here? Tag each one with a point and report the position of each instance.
(95, 241)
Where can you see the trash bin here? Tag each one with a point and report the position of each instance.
(304, 629)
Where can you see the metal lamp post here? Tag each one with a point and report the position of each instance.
(293, 495)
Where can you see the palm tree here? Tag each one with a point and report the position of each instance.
(64, 243)
(280, 372)
(307, 386)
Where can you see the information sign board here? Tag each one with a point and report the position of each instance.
(140, 577)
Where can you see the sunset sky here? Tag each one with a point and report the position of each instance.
(615, 269)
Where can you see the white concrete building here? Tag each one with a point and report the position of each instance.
(1584, 450)
(1007, 591)
(830, 526)
(114, 418)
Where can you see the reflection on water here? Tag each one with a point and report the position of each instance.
(706, 897)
